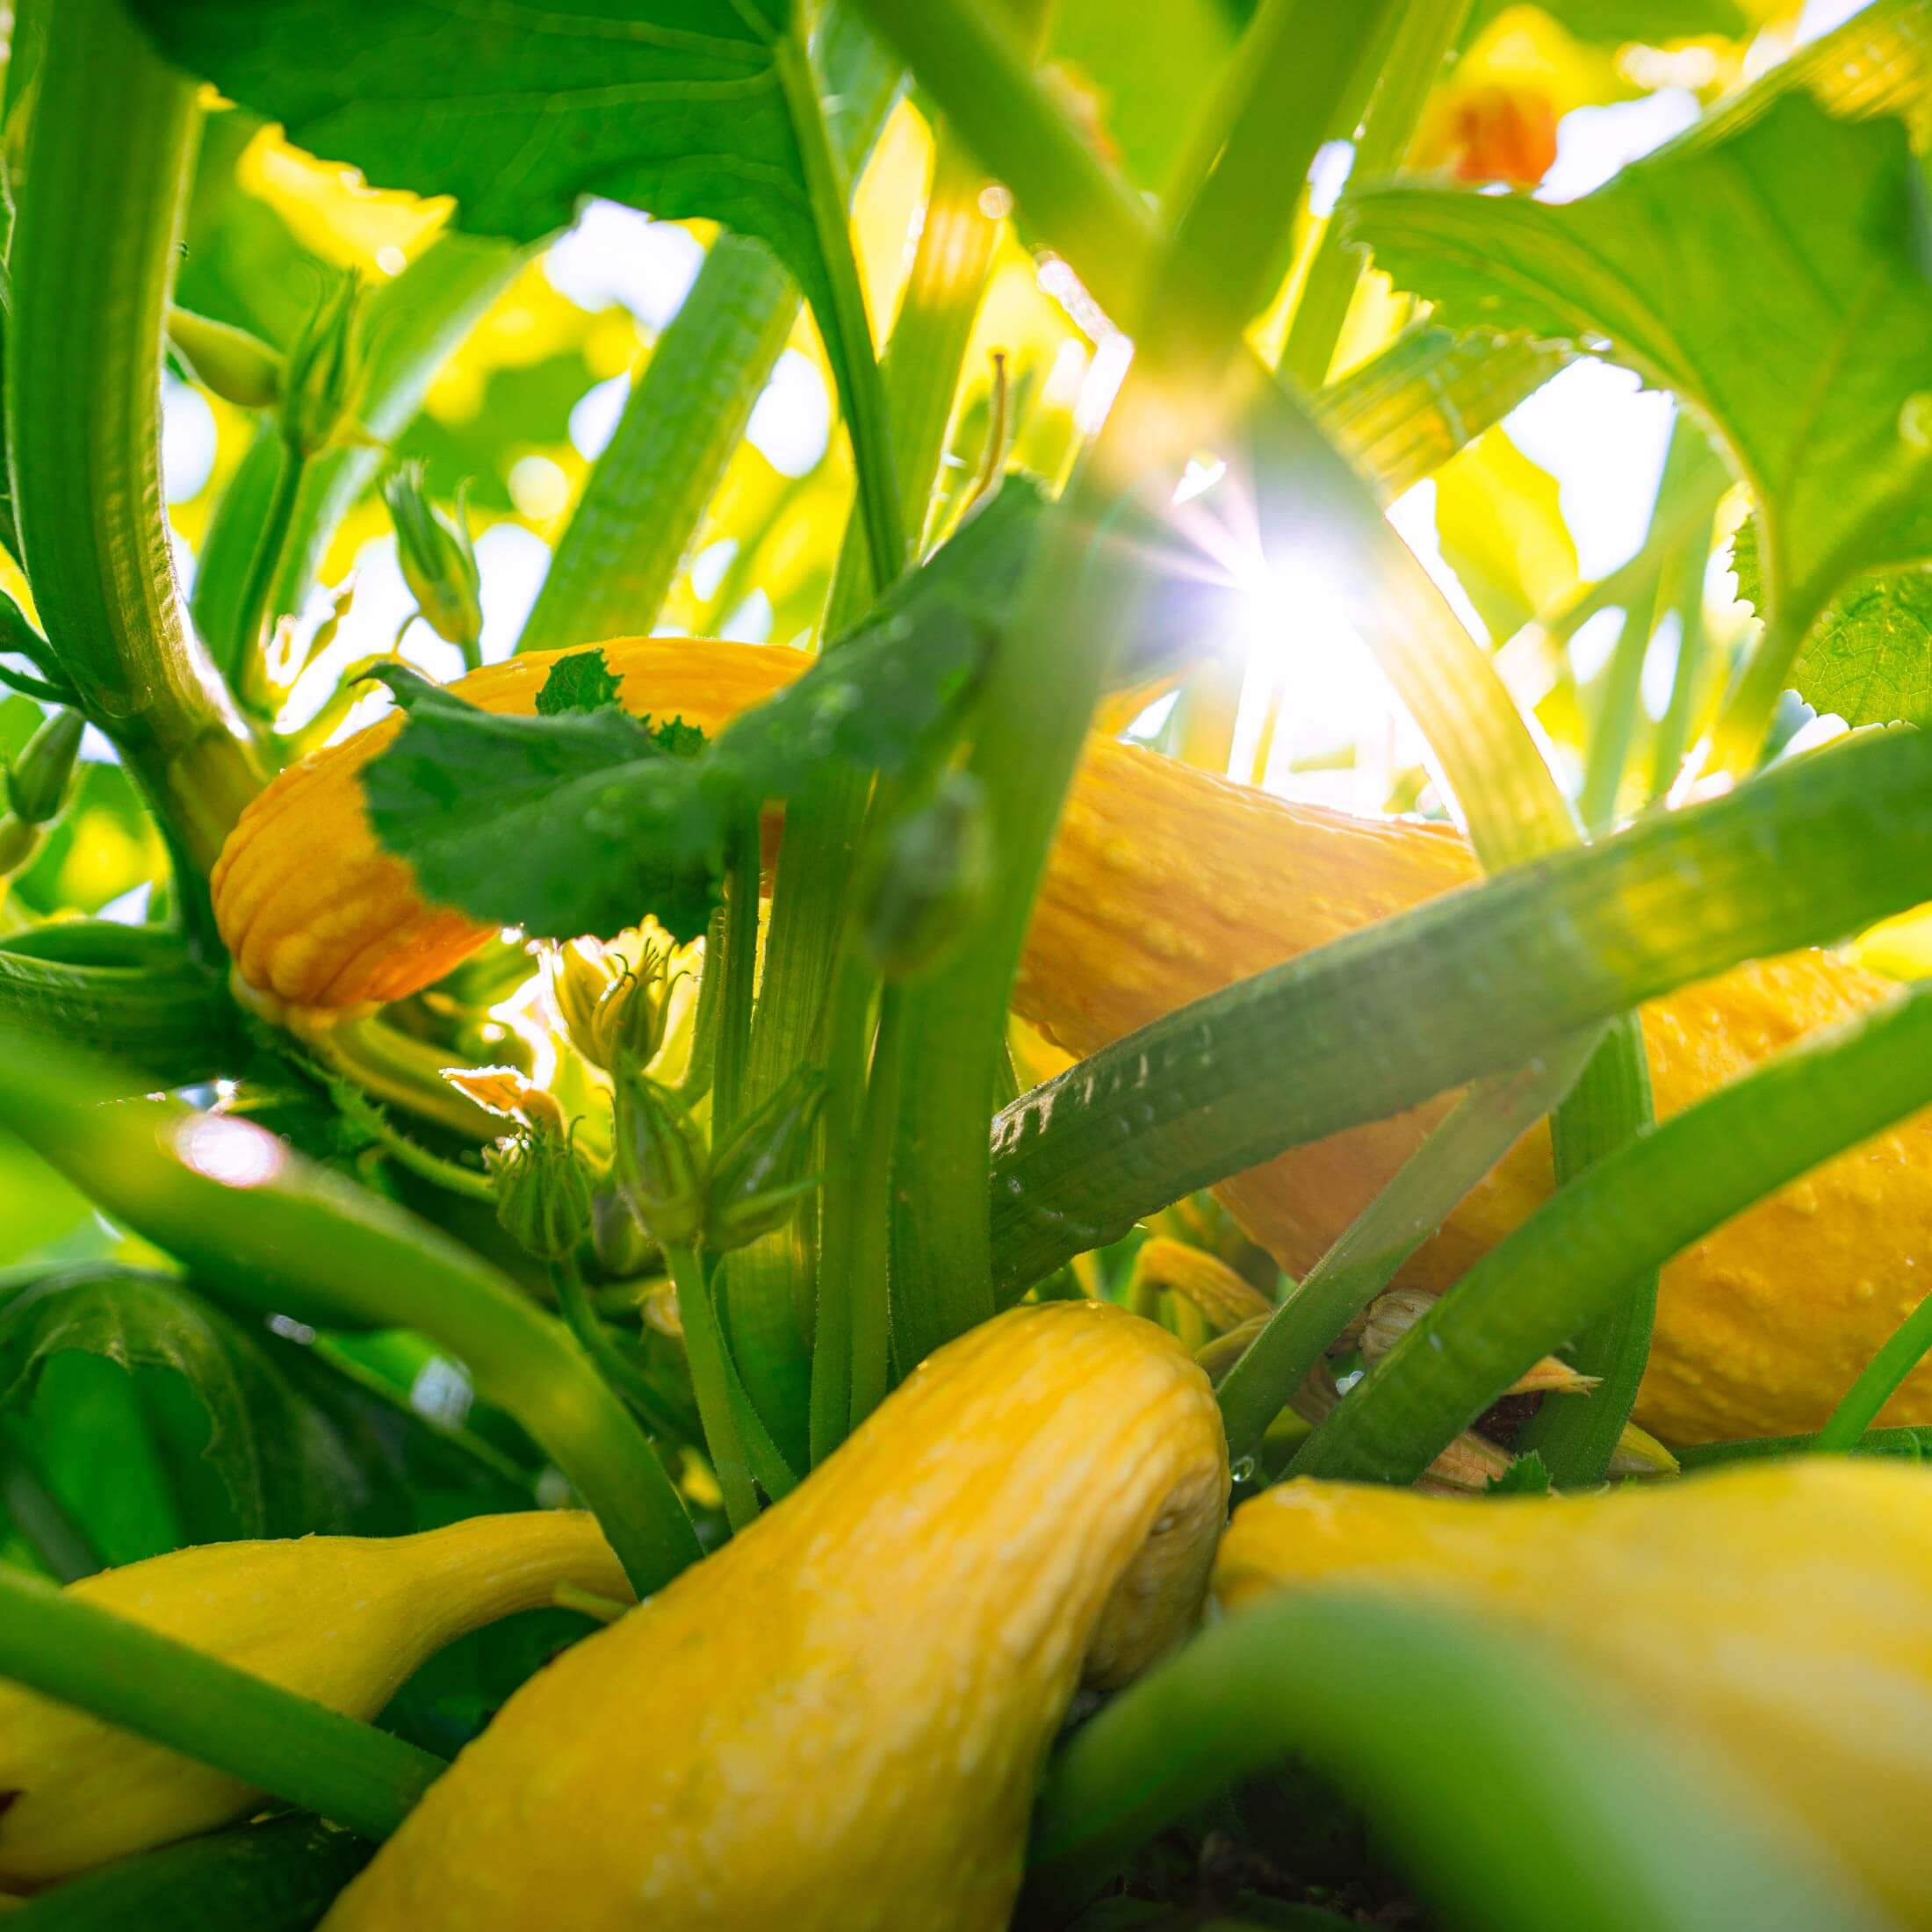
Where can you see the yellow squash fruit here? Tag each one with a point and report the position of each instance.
(1166, 884)
(1777, 1616)
(340, 1619)
(835, 1724)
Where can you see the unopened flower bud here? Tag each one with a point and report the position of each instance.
(622, 1247)
(1640, 1453)
(238, 367)
(438, 561)
(930, 882)
(628, 1028)
(756, 1176)
(543, 1193)
(660, 1166)
(40, 779)
(322, 372)
(581, 972)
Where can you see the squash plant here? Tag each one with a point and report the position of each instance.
(836, 1160)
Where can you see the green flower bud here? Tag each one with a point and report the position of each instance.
(659, 1166)
(543, 1193)
(438, 561)
(622, 1248)
(238, 367)
(930, 883)
(322, 372)
(628, 1025)
(40, 778)
(756, 1176)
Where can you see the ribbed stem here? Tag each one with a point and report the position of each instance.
(109, 147)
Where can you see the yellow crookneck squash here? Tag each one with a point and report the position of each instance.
(1776, 1616)
(342, 1620)
(1165, 885)
(835, 1724)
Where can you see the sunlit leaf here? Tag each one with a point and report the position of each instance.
(1773, 278)
(689, 109)
(1502, 533)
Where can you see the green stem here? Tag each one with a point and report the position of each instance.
(1425, 38)
(847, 329)
(269, 1738)
(1460, 1743)
(109, 152)
(1615, 721)
(871, 1251)
(1685, 595)
(1362, 1263)
(1909, 1445)
(1902, 1352)
(264, 1230)
(1297, 68)
(619, 554)
(740, 966)
(1737, 740)
(848, 1039)
(247, 673)
(630, 1381)
(1635, 1209)
(807, 954)
(1576, 1439)
(711, 1376)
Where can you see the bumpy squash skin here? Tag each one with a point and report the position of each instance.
(834, 1724)
(1166, 884)
(1779, 1614)
(341, 1620)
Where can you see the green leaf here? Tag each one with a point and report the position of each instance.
(1770, 274)
(581, 683)
(283, 1470)
(689, 109)
(564, 824)
(582, 820)
(1527, 1476)
(1868, 658)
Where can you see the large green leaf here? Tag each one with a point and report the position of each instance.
(282, 1469)
(1771, 274)
(1869, 656)
(689, 109)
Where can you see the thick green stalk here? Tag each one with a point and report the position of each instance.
(769, 1285)
(267, 1230)
(247, 673)
(619, 554)
(711, 1379)
(132, 1677)
(1576, 1439)
(413, 324)
(875, 1197)
(1462, 1743)
(1564, 1267)
(580, 1312)
(1908, 1445)
(1424, 37)
(1037, 702)
(1466, 986)
(847, 329)
(1685, 595)
(1903, 1349)
(1299, 65)
(108, 151)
